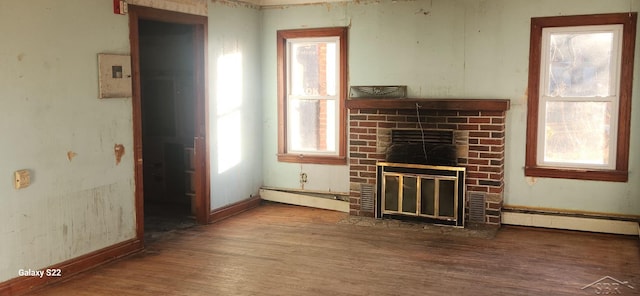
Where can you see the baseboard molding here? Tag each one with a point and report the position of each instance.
(234, 209)
(69, 268)
(614, 226)
(304, 200)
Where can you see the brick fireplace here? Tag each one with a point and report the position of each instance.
(478, 125)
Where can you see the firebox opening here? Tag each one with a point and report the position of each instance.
(427, 147)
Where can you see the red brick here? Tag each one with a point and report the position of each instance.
(407, 125)
(468, 127)
(357, 117)
(497, 148)
(432, 119)
(367, 175)
(368, 124)
(490, 169)
(358, 130)
(357, 143)
(354, 200)
(469, 113)
(447, 113)
(491, 155)
(495, 190)
(495, 176)
(477, 188)
(473, 155)
(479, 120)
(478, 161)
(447, 126)
(479, 148)
(479, 134)
(493, 219)
(491, 141)
(367, 149)
(387, 124)
(478, 175)
(497, 120)
(357, 180)
(396, 118)
(378, 156)
(358, 168)
(491, 127)
(368, 137)
(377, 117)
(388, 111)
(471, 181)
(457, 119)
(492, 113)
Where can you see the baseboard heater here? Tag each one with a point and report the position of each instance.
(433, 194)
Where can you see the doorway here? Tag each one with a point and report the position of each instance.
(169, 121)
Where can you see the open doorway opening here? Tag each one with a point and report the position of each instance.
(168, 101)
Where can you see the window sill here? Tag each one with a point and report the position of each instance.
(317, 159)
(578, 174)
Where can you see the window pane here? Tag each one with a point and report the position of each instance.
(580, 64)
(313, 69)
(577, 132)
(312, 125)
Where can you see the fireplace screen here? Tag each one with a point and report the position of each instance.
(431, 193)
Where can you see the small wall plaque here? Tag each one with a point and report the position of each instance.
(379, 91)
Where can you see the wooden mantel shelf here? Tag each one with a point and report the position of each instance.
(430, 104)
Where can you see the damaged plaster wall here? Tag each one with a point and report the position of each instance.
(448, 49)
(52, 123)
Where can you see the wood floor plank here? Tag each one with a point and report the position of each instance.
(280, 249)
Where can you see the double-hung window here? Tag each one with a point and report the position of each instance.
(311, 93)
(580, 80)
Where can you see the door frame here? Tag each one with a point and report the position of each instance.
(201, 149)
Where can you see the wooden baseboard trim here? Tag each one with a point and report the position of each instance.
(69, 268)
(234, 209)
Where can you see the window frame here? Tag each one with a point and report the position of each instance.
(284, 155)
(625, 72)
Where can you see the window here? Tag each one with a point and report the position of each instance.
(311, 94)
(579, 108)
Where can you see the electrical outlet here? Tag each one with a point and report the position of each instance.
(303, 177)
(22, 179)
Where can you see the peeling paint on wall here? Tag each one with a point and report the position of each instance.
(118, 150)
(71, 155)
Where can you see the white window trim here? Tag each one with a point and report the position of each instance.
(614, 97)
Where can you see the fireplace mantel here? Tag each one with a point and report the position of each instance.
(429, 104)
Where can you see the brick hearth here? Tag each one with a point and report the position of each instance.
(480, 122)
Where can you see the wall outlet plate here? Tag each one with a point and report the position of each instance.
(22, 179)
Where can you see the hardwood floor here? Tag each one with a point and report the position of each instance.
(280, 249)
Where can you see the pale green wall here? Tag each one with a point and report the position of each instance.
(448, 49)
(235, 30)
(48, 106)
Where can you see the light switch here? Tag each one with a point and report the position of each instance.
(22, 179)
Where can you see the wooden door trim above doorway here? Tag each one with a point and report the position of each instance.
(137, 13)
